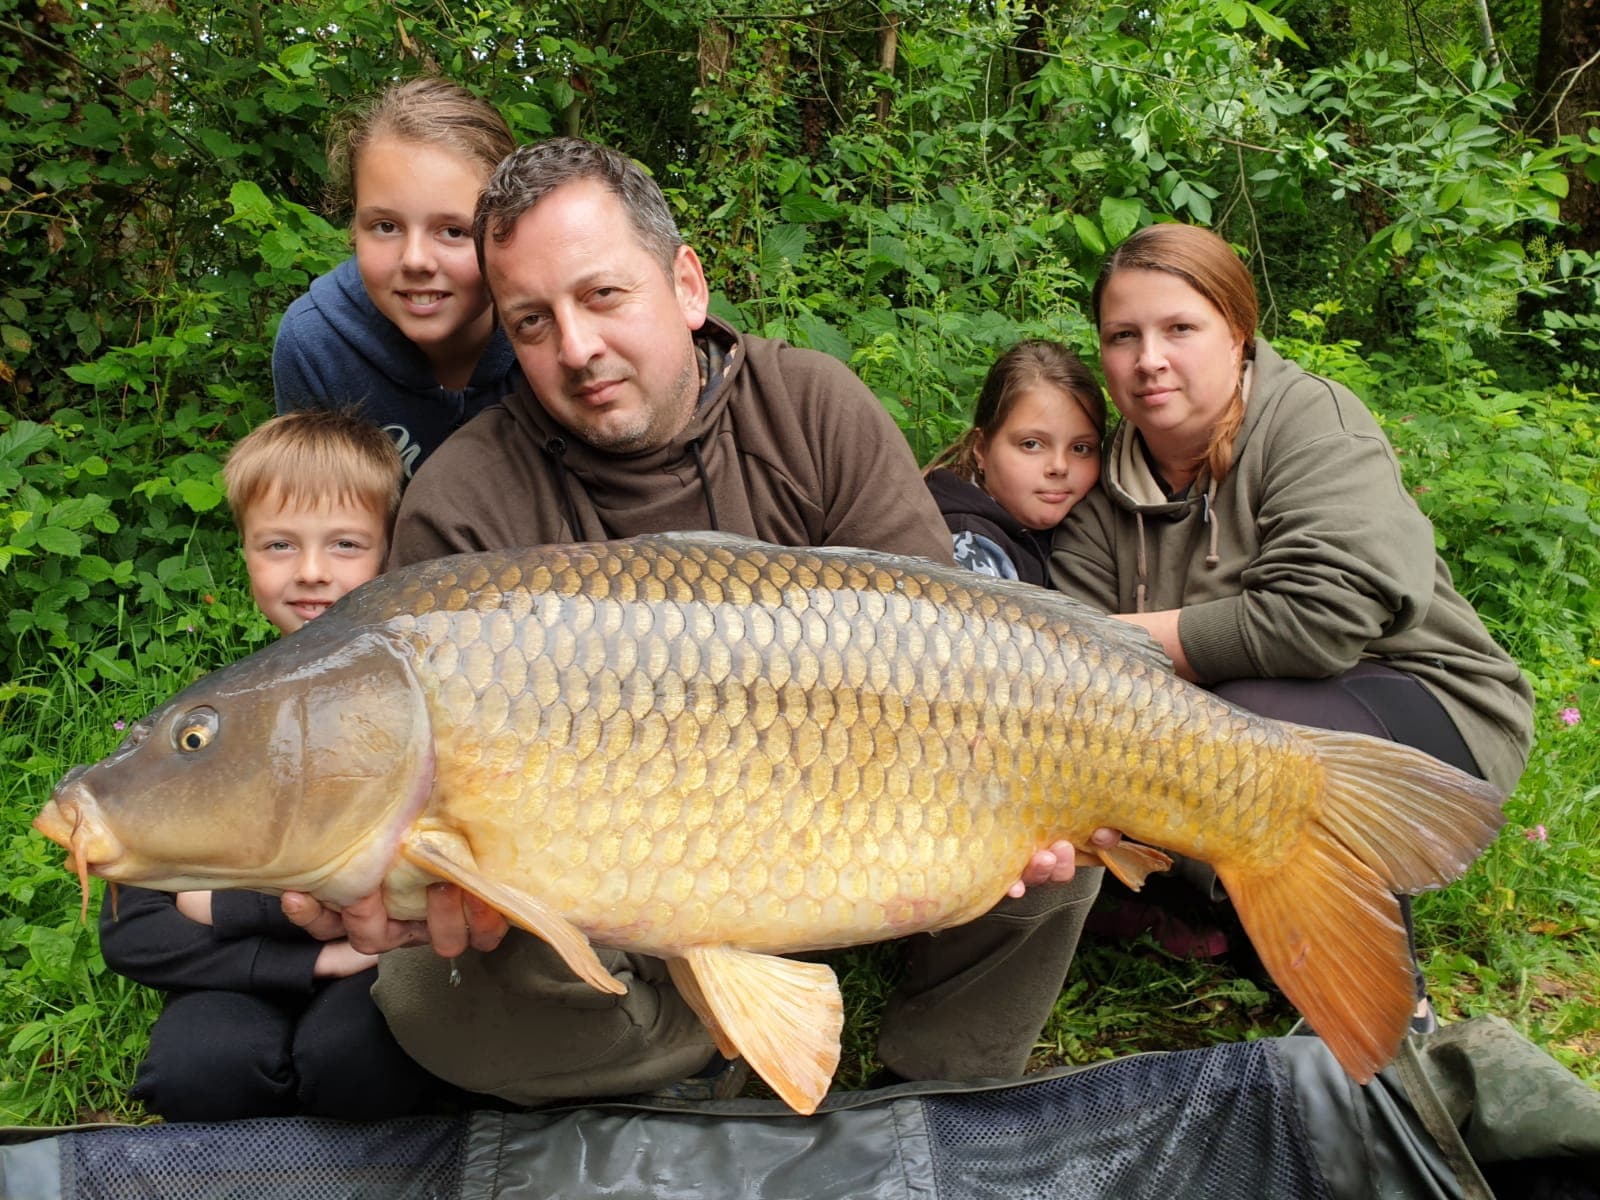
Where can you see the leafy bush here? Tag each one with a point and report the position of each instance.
(161, 202)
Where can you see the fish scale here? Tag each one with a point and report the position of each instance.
(716, 751)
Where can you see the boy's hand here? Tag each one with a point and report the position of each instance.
(339, 960)
(196, 906)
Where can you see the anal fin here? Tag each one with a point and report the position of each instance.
(1131, 862)
(450, 858)
(783, 1016)
(683, 978)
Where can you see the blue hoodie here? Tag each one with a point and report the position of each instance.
(335, 347)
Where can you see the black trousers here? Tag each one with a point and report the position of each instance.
(222, 1056)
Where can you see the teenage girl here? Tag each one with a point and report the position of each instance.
(403, 330)
(1032, 453)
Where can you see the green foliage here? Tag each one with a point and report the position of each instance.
(162, 186)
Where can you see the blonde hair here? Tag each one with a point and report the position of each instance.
(428, 109)
(1025, 365)
(315, 456)
(1208, 264)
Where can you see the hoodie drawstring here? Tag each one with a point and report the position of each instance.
(1213, 556)
(556, 450)
(1207, 500)
(705, 482)
(1139, 593)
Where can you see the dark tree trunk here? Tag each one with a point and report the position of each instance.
(1567, 83)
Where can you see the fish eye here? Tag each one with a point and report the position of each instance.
(195, 731)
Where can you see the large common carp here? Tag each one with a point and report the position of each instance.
(719, 751)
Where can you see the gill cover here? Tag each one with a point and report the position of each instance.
(298, 767)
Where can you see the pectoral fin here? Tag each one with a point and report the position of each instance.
(783, 1016)
(449, 857)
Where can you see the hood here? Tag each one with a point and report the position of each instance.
(958, 497)
(628, 481)
(1131, 482)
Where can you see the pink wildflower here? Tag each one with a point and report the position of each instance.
(1537, 834)
(1571, 716)
(119, 724)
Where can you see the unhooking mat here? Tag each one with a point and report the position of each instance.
(1472, 1105)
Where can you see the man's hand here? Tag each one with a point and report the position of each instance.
(1057, 863)
(455, 922)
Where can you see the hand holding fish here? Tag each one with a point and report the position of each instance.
(455, 922)
(1058, 863)
(339, 960)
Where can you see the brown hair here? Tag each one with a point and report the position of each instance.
(533, 172)
(1209, 265)
(311, 456)
(1025, 365)
(428, 109)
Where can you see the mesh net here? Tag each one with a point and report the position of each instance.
(1205, 1125)
(270, 1159)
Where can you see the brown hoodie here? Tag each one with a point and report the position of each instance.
(786, 445)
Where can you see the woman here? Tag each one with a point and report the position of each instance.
(1253, 518)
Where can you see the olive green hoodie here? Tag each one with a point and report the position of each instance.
(1310, 556)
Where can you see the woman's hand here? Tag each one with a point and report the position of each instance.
(1058, 863)
(1163, 627)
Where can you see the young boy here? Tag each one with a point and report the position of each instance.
(260, 1019)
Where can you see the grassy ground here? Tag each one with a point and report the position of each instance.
(1517, 937)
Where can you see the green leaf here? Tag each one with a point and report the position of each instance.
(1120, 216)
(1088, 234)
(101, 373)
(201, 495)
(15, 339)
(56, 540)
(1553, 182)
(299, 59)
(1401, 241)
(250, 203)
(784, 243)
(801, 209)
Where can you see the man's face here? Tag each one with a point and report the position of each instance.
(600, 328)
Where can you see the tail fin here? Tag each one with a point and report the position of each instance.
(1326, 924)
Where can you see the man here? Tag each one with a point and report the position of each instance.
(640, 413)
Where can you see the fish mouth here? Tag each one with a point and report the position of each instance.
(71, 822)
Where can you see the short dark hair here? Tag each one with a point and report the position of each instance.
(531, 173)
